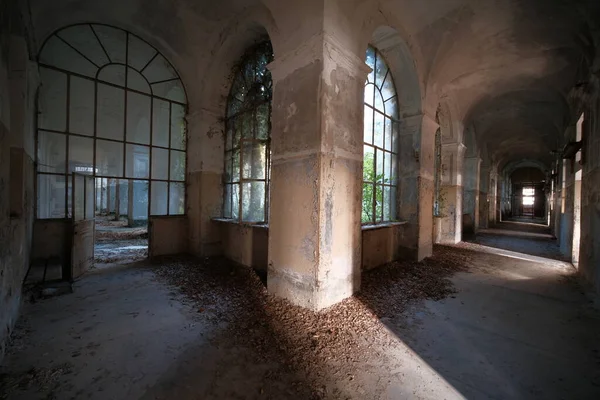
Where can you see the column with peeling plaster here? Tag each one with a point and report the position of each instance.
(451, 193)
(204, 180)
(316, 176)
(416, 185)
(484, 204)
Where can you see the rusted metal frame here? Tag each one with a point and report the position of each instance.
(110, 83)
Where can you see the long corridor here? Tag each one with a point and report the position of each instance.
(507, 325)
(519, 327)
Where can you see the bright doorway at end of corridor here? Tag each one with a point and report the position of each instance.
(121, 221)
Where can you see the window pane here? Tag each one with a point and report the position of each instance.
(158, 204)
(253, 202)
(159, 70)
(379, 203)
(394, 173)
(89, 198)
(114, 74)
(109, 158)
(59, 54)
(254, 159)
(227, 202)
(177, 165)
(369, 164)
(367, 203)
(140, 200)
(78, 198)
(160, 123)
(379, 101)
(235, 201)
(177, 198)
(371, 63)
(380, 71)
(160, 163)
(172, 90)
(391, 107)
(379, 123)
(379, 171)
(387, 168)
(235, 170)
(81, 155)
(51, 150)
(387, 203)
(263, 118)
(114, 41)
(52, 101)
(138, 161)
(51, 196)
(368, 132)
(81, 114)
(139, 53)
(136, 81)
(388, 134)
(369, 94)
(111, 112)
(177, 127)
(83, 39)
(138, 118)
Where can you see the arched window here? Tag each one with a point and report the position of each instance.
(111, 106)
(380, 162)
(248, 127)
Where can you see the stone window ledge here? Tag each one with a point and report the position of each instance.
(230, 221)
(383, 225)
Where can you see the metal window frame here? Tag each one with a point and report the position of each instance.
(231, 124)
(395, 120)
(95, 137)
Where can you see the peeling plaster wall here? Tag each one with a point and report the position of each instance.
(17, 88)
(245, 244)
(167, 235)
(589, 256)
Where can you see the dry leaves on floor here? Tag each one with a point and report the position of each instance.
(333, 342)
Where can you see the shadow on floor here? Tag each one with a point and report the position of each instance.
(517, 328)
(532, 239)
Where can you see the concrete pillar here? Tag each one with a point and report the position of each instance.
(589, 255)
(493, 197)
(484, 202)
(471, 195)
(416, 186)
(451, 195)
(316, 178)
(204, 180)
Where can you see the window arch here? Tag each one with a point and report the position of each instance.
(380, 162)
(111, 106)
(247, 143)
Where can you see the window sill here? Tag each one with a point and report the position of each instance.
(384, 225)
(236, 222)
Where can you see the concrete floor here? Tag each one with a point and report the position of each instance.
(519, 328)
